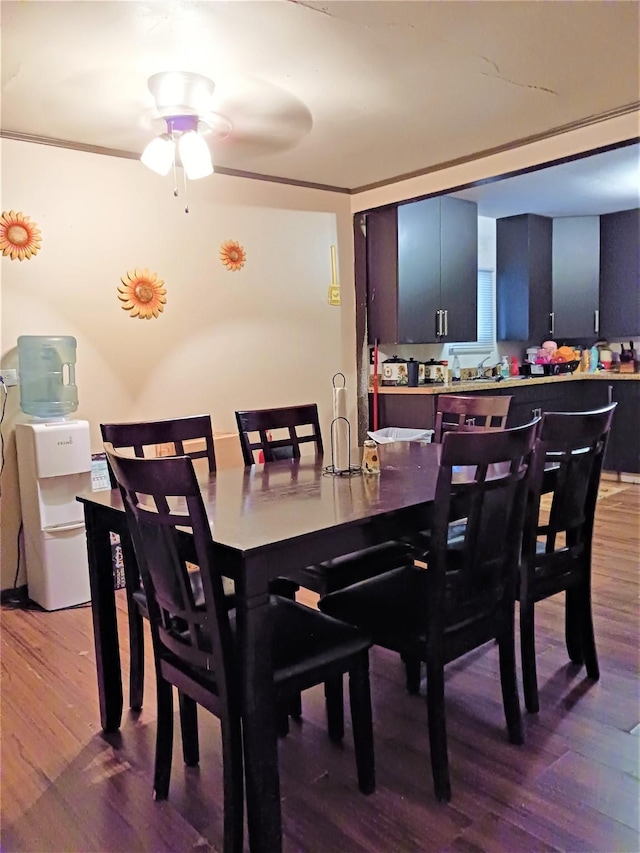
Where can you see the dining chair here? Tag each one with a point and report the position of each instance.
(189, 436)
(466, 597)
(456, 412)
(260, 431)
(276, 434)
(193, 436)
(558, 538)
(194, 643)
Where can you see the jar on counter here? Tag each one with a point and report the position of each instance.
(394, 371)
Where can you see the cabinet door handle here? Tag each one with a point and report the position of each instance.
(610, 391)
(446, 322)
(596, 321)
(438, 324)
(552, 322)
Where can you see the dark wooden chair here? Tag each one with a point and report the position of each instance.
(191, 436)
(457, 412)
(194, 642)
(278, 434)
(557, 542)
(187, 436)
(466, 596)
(260, 430)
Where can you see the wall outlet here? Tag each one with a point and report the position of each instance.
(9, 377)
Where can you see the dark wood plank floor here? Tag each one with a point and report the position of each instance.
(573, 786)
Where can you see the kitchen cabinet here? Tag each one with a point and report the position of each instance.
(523, 277)
(382, 275)
(623, 450)
(620, 275)
(409, 411)
(422, 272)
(575, 277)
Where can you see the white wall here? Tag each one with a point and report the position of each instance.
(262, 336)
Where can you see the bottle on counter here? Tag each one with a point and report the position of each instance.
(505, 370)
(456, 369)
(594, 358)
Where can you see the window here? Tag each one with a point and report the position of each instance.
(486, 307)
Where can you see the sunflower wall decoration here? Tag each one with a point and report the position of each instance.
(142, 293)
(20, 238)
(232, 255)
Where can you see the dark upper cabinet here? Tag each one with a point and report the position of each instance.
(575, 277)
(422, 271)
(620, 275)
(523, 277)
(382, 275)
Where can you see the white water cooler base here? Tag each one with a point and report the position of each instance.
(54, 465)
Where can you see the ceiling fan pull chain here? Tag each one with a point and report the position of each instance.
(186, 195)
(175, 176)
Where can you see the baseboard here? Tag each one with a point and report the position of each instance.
(629, 478)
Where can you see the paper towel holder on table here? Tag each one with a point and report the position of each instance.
(340, 434)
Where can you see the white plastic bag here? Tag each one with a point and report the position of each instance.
(388, 434)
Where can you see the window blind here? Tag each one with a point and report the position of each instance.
(486, 307)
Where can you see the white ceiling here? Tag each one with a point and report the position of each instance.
(341, 93)
(601, 183)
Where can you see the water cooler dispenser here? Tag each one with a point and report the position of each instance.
(54, 465)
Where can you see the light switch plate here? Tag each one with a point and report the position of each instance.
(9, 377)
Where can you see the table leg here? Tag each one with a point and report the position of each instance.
(103, 610)
(258, 721)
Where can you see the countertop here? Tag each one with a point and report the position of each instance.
(489, 384)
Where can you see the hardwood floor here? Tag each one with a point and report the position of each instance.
(573, 786)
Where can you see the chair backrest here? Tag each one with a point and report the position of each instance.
(456, 412)
(164, 506)
(475, 575)
(261, 430)
(572, 446)
(164, 438)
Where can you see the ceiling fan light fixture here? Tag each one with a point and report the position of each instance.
(195, 155)
(159, 153)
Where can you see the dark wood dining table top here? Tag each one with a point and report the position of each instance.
(257, 508)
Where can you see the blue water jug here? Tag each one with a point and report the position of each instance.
(47, 368)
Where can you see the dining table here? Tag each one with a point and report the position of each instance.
(266, 521)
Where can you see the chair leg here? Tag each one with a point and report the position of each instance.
(412, 674)
(189, 729)
(335, 708)
(136, 651)
(232, 771)
(438, 731)
(573, 616)
(362, 723)
(588, 636)
(509, 682)
(295, 706)
(528, 656)
(164, 738)
(282, 717)
(136, 630)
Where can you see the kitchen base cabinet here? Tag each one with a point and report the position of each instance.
(529, 400)
(623, 450)
(408, 411)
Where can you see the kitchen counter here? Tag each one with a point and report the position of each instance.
(415, 408)
(512, 382)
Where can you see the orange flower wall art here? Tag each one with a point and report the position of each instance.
(142, 294)
(19, 237)
(232, 255)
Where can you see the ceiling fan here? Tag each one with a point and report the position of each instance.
(250, 116)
